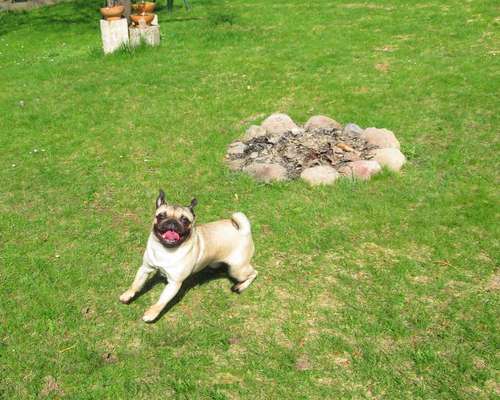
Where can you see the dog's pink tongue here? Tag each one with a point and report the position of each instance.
(171, 235)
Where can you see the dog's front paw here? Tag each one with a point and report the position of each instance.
(151, 314)
(127, 296)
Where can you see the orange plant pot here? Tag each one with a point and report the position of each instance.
(146, 7)
(112, 13)
(147, 18)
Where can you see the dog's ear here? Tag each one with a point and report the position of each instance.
(193, 204)
(161, 199)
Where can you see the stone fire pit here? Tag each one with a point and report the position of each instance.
(320, 152)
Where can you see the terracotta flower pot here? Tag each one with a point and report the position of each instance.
(145, 7)
(112, 13)
(147, 18)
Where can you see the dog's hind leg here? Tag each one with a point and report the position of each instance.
(244, 275)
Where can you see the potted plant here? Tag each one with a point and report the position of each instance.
(143, 13)
(112, 11)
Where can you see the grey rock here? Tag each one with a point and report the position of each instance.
(321, 122)
(382, 138)
(320, 175)
(352, 130)
(363, 169)
(278, 124)
(255, 131)
(266, 172)
(236, 149)
(391, 158)
(235, 164)
(297, 131)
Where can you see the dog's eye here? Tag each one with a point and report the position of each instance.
(185, 221)
(159, 217)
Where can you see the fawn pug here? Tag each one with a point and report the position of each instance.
(178, 248)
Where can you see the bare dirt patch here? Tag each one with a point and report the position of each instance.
(303, 363)
(51, 387)
(494, 283)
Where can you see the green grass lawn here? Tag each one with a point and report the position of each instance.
(383, 290)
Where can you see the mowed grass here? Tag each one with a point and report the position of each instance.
(384, 290)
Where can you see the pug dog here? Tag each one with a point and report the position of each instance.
(177, 248)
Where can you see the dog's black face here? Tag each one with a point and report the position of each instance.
(173, 224)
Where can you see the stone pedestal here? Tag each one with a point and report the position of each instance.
(114, 34)
(149, 35)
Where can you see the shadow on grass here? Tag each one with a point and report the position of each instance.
(55, 17)
(200, 278)
(180, 19)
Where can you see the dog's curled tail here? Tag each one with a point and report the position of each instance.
(242, 223)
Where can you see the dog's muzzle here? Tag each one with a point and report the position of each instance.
(171, 231)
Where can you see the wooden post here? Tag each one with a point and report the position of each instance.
(144, 33)
(114, 34)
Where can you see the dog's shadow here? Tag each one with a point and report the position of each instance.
(200, 278)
